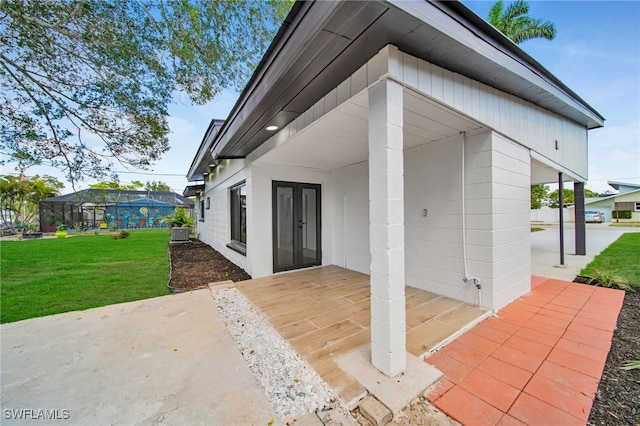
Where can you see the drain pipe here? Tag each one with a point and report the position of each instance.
(344, 226)
(467, 279)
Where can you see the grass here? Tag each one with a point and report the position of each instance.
(49, 276)
(620, 258)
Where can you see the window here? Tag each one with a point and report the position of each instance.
(202, 210)
(239, 218)
(637, 205)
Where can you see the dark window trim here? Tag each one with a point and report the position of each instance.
(236, 243)
(238, 247)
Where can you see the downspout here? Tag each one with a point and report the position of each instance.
(467, 279)
(344, 221)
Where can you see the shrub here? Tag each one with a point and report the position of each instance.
(179, 218)
(631, 365)
(609, 278)
(120, 235)
(621, 214)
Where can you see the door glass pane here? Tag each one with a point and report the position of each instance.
(285, 226)
(309, 228)
(243, 214)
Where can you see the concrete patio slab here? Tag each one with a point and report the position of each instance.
(545, 248)
(166, 360)
(394, 392)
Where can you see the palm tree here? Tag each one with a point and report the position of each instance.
(515, 23)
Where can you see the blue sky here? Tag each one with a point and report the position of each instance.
(596, 53)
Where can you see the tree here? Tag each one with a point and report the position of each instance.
(515, 24)
(538, 195)
(20, 197)
(157, 186)
(87, 83)
(568, 197)
(115, 184)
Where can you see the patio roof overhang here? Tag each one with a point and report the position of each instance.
(320, 44)
(193, 190)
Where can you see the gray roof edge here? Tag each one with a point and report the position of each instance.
(209, 136)
(616, 185)
(294, 16)
(83, 192)
(596, 200)
(496, 38)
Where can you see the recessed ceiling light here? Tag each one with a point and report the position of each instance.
(271, 128)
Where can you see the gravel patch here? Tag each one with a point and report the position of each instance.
(292, 386)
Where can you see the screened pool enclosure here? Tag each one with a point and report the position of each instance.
(110, 208)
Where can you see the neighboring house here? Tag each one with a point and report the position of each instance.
(102, 208)
(627, 200)
(398, 139)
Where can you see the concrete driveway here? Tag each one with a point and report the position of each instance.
(545, 248)
(167, 360)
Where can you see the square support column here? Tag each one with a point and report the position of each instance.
(386, 227)
(580, 230)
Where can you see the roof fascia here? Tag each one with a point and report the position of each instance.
(502, 50)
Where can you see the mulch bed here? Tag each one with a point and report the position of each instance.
(195, 264)
(618, 398)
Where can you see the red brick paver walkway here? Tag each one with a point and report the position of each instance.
(538, 363)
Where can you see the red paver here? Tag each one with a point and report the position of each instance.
(561, 397)
(528, 346)
(498, 324)
(569, 378)
(575, 362)
(518, 358)
(489, 389)
(481, 344)
(594, 342)
(510, 374)
(465, 354)
(507, 420)
(538, 363)
(453, 370)
(491, 333)
(531, 411)
(467, 409)
(440, 389)
(582, 350)
(538, 336)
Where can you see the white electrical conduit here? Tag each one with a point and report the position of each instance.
(462, 210)
(344, 226)
(463, 213)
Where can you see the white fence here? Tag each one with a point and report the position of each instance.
(549, 215)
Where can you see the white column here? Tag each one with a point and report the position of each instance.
(386, 228)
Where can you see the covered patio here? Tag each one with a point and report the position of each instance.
(325, 312)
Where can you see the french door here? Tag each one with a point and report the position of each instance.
(296, 225)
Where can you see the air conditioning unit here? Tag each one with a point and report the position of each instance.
(179, 234)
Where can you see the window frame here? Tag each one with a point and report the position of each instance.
(238, 212)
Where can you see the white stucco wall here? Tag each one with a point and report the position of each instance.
(260, 238)
(215, 230)
(351, 201)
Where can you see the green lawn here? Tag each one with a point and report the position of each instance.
(48, 276)
(623, 257)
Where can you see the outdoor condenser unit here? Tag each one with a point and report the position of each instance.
(179, 234)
